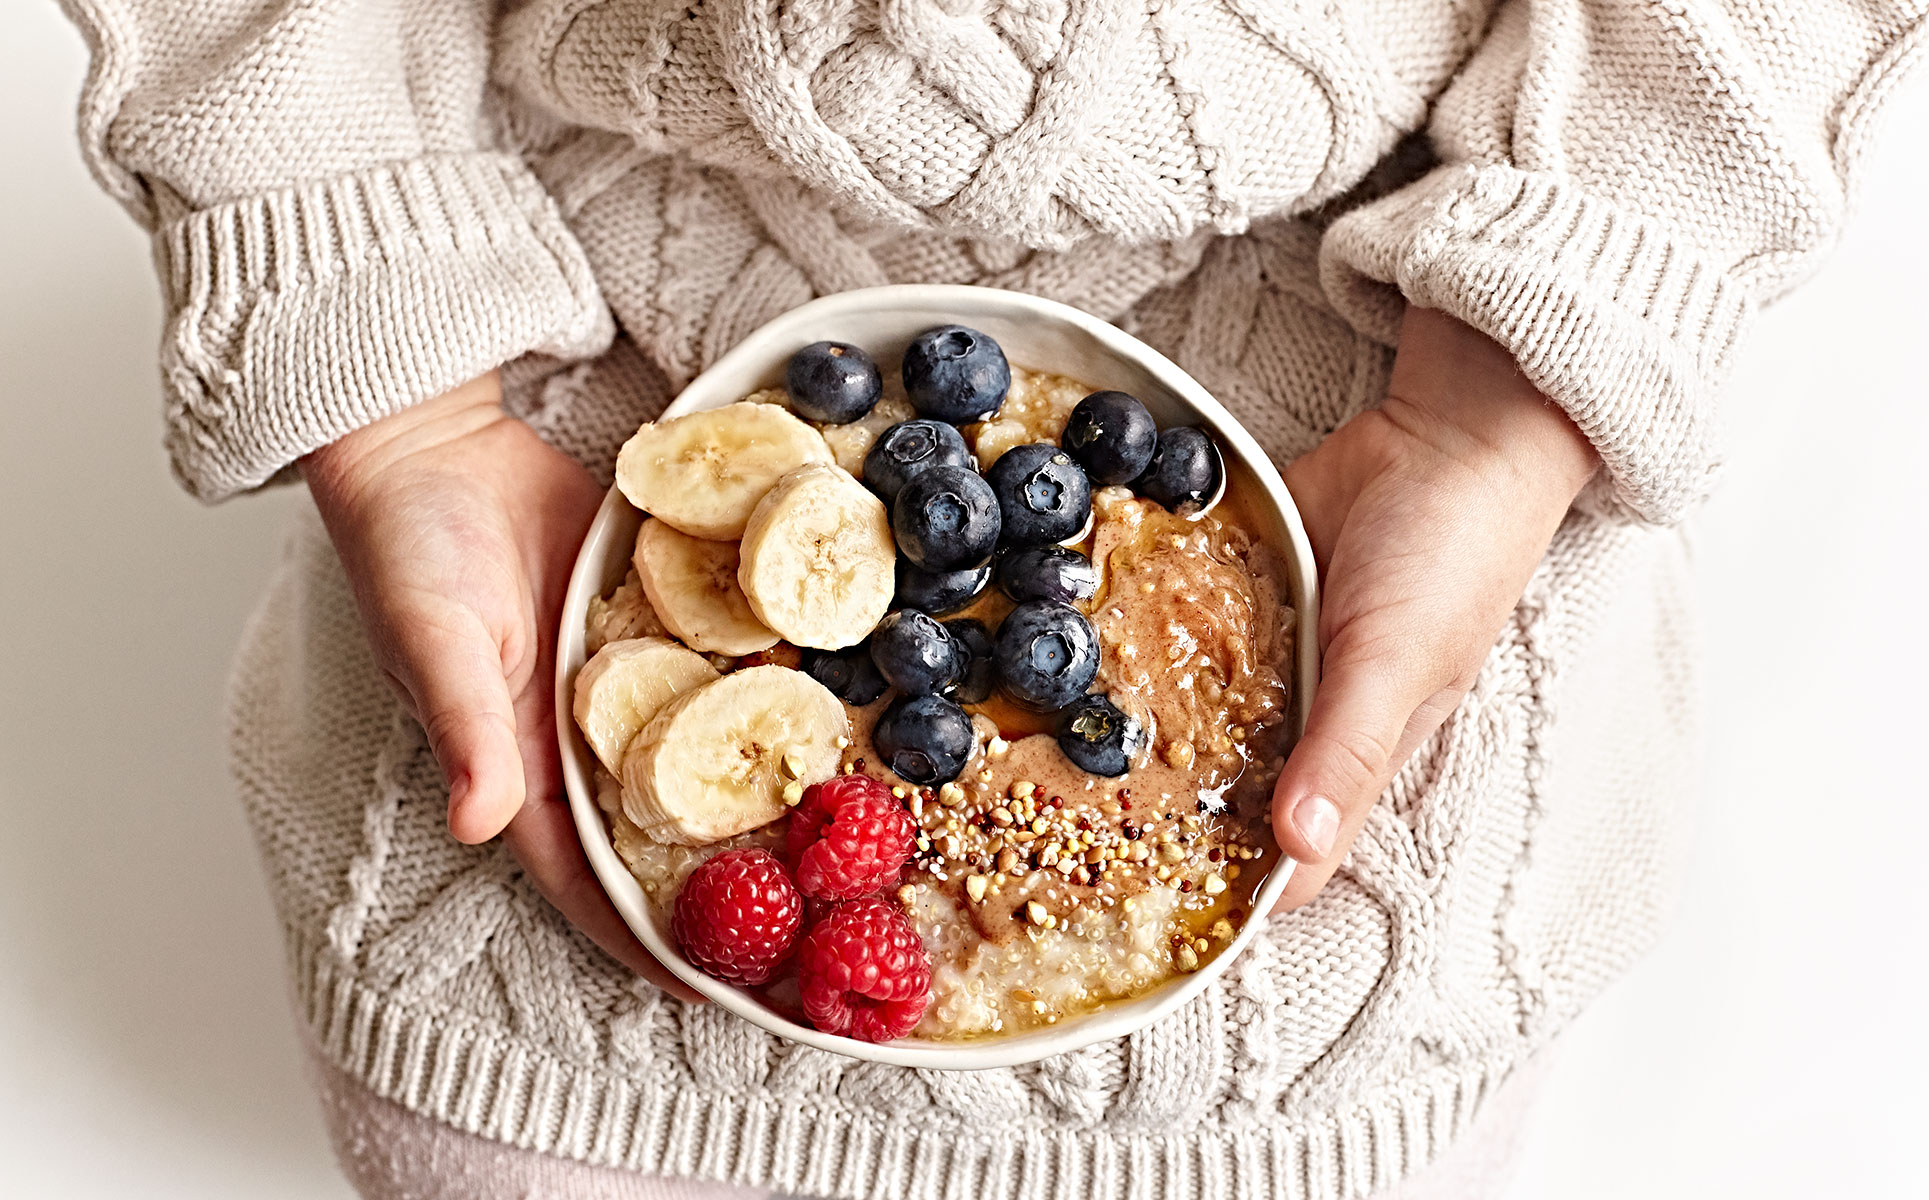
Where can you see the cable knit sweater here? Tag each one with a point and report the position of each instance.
(356, 204)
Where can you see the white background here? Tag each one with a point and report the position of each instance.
(1773, 1046)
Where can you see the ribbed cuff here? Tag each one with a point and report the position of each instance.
(1624, 325)
(477, 1077)
(298, 315)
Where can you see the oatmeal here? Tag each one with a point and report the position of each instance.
(1087, 777)
(623, 614)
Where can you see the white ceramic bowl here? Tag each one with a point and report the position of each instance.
(1035, 333)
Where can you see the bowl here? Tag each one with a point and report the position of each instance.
(1035, 333)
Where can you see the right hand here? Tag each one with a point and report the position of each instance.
(1427, 516)
(457, 527)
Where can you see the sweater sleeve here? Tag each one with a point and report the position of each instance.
(1621, 184)
(337, 232)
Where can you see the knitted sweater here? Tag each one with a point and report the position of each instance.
(356, 204)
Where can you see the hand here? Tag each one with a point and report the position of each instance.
(457, 526)
(1427, 516)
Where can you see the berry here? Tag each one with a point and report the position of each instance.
(813, 811)
(1112, 437)
(850, 674)
(863, 972)
(1099, 737)
(955, 374)
(1046, 655)
(832, 382)
(946, 519)
(848, 837)
(924, 739)
(938, 591)
(1043, 496)
(978, 677)
(915, 654)
(1185, 472)
(737, 916)
(1047, 573)
(909, 447)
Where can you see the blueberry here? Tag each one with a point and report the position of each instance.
(1185, 470)
(955, 374)
(925, 739)
(833, 382)
(1112, 437)
(915, 653)
(1098, 737)
(1047, 573)
(1043, 496)
(909, 447)
(850, 674)
(979, 676)
(946, 519)
(938, 591)
(1046, 655)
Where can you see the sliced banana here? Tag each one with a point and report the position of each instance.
(818, 559)
(717, 761)
(703, 473)
(692, 585)
(619, 690)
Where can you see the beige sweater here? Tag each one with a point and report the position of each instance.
(359, 203)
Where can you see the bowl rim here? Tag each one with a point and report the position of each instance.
(781, 336)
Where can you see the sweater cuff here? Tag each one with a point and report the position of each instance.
(298, 315)
(1625, 325)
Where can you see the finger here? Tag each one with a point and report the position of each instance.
(531, 660)
(543, 839)
(1357, 734)
(542, 767)
(453, 673)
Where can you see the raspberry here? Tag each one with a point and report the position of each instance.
(737, 916)
(863, 972)
(813, 812)
(849, 837)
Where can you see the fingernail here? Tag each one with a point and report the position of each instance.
(1318, 821)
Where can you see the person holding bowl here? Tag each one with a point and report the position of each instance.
(1472, 272)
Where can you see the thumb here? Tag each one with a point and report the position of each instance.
(452, 671)
(1366, 718)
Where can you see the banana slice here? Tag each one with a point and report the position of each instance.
(818, 559)
(718, 761)
(704, 472)
(619, 690)
(692, 585)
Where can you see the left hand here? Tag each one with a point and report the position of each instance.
(1427, 516)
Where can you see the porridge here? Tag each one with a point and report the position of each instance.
(1029, 636)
